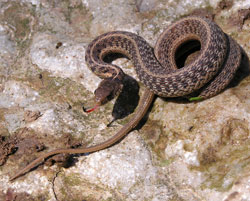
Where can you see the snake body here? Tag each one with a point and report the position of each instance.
(157, 69)
(208, 74)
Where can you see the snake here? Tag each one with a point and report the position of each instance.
(207, 75)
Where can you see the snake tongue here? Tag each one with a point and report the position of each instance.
(92, 109)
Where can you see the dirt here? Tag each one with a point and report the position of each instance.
(11, 195)
(7, 147)
(30, 116)
(203, 13)
(225, 4)
(243, 15)
(239, 19)
(25, 144)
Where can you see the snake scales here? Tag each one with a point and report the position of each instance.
(209, 73)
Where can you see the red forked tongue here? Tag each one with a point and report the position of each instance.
(92, 109)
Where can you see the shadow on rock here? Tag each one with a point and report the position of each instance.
(127, 100)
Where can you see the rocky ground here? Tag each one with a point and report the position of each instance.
(182, 151)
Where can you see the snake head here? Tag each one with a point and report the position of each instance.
(107, 90)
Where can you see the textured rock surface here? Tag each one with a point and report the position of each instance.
(184, 151)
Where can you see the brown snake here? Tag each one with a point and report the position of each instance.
(208, 74)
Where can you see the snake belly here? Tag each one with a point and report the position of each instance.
(211, 72)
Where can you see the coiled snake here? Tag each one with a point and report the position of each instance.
(208, 74)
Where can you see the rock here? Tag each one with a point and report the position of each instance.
(181, 151)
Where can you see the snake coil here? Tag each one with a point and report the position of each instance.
(157, 68)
